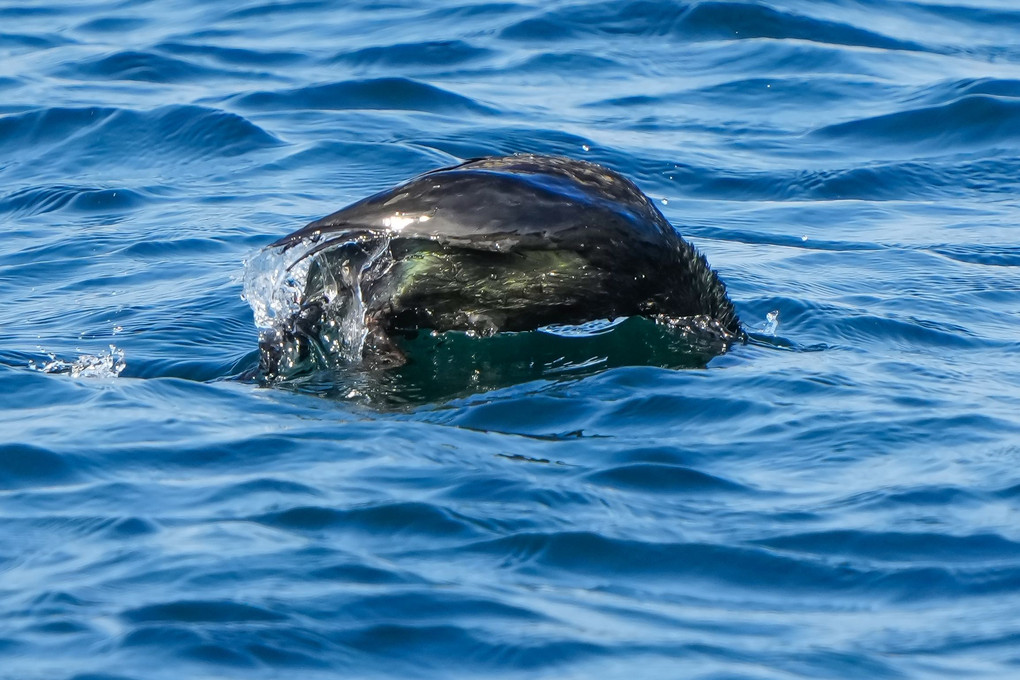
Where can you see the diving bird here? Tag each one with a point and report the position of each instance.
(496, 244)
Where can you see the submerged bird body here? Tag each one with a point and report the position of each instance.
(495, 244)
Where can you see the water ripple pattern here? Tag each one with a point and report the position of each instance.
(838, 498)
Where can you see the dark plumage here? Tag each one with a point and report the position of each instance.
(499, 244)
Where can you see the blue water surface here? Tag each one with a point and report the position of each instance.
(838, 498)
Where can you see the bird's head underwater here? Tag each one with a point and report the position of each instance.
(501, 244)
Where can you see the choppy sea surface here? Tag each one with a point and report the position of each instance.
(838, 498)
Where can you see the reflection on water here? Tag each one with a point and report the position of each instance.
(443, 366)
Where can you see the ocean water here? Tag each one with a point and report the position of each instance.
(838, 498)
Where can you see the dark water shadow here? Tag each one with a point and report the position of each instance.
(446, 366)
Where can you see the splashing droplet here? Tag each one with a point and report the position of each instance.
(103, 365)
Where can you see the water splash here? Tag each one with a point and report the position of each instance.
(771, 323)
(354, 330)
(103, 365)
(309, 299)
(274, 282)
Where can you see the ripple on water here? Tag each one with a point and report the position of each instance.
(428, 55)
(59, 139)
(392, 519)
(24, 465)
(192, 611)
(668, 479)
(701, 21)
(835, 499)
(969, 122)
(39, 200)
(142, 66)
(397, 94)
